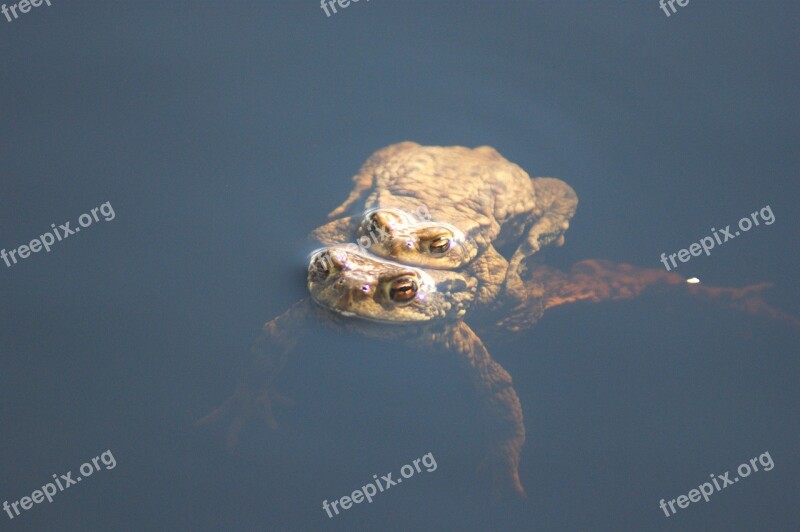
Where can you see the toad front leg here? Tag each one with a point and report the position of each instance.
(556, 203)
(256, 391)
(501, 410)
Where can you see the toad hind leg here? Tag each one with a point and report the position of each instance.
(597, 280)
(501, 405)
(602, 280)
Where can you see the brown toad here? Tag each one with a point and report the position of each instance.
(428, 305)
(474, 199)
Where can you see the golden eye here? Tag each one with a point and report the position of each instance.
(440, 245)
(403, 290)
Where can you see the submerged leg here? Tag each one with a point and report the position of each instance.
(602, 280)
(256, 392)
(501, 407)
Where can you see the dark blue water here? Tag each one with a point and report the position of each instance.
(221, 133)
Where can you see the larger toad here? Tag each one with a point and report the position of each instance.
(475, 201)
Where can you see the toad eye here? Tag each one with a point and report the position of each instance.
(403, 290)
(440, 245)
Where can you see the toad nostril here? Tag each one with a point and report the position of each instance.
(365, 288)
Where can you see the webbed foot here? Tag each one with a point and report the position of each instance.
(256, 394)
(240, 407)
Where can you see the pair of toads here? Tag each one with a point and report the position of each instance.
(469, 258)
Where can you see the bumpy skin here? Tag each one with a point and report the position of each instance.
(356, 284)
(436, 303)
(478, 199)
